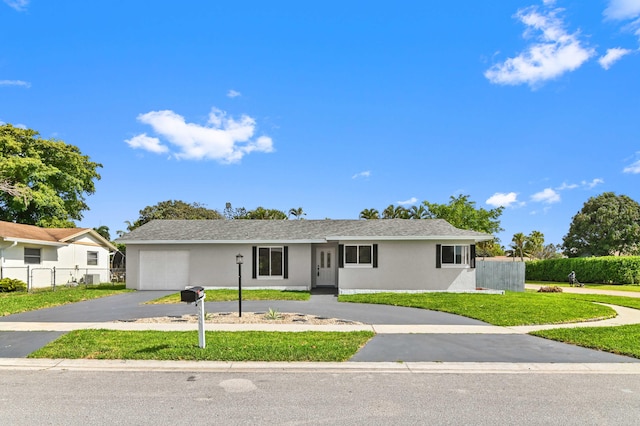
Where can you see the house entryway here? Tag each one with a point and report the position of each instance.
(326, 267)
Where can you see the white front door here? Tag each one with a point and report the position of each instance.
(326, 266)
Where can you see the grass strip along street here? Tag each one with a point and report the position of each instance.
(15, 303)
(221, 346)
(621, 340)
(231, 295)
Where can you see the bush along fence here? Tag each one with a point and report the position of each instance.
(39, 277)
(601, 270)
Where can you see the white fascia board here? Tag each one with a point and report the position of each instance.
(413, 238)
(36, 242)
(257, 242)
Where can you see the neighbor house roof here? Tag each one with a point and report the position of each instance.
(18, 232)
(295, 231)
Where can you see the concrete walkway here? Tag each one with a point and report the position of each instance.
(402, 334)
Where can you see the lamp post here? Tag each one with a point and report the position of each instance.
(239, 262)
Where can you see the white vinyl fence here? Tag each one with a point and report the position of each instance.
(496, 275)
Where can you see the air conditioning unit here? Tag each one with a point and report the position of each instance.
(92, 278)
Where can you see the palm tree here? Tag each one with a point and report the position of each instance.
(104, 232)
(369, 214)
(297, 213)
(417, 212)
(517, 244)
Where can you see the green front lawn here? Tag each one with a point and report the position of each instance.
(220, 346)
(622, 340)
(14, 303)
(510, 309)
(231, 295)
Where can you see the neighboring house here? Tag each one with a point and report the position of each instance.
(352, 256)
(42, 257)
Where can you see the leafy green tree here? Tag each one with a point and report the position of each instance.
(104, 232)
(551, 251)
(369, 214)
(297, 213)
(463, 214)
(607, 225)
(47, 179)
(174, 209)
(234, 213)
(490, 248)
(260, 213)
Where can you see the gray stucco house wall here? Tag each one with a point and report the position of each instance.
(352, 256)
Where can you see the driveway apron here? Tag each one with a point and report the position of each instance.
(406, 347)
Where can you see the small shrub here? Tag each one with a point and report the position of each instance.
(550, 289)
(272, 314)
(8, 285)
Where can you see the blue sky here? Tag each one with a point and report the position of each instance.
(334, 106)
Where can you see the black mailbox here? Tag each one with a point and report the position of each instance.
(192, 294)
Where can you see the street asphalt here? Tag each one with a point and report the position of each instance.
(403, 334)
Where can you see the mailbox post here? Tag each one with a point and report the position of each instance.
(196, 295)
(239, 262)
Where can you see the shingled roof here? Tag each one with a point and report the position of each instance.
(10, 231)
(316, 231)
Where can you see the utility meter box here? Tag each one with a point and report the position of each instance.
(192, 294)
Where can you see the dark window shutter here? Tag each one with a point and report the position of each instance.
(375, 255)
(438, 255)
(340, 255)
(472, 255)
(254, 262)
(285, 262)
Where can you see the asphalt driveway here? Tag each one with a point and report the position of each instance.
(434, 347)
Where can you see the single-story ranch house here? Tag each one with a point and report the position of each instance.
(42, 257)
(352, 256)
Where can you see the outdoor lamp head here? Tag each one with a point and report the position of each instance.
(239, 259)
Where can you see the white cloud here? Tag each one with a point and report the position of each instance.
(410, 201)
(595, 182)
(554, 52)
(147, 143)
(566, 185)
(19, 5)
(612, 56)
(15, 83)
(548, 196)
(233, 94)
(621, 10)
(364, 174)
(625, 10)
(223, 138)
(634, 168)
(500, 199)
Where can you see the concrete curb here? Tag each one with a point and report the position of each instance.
(23, 364)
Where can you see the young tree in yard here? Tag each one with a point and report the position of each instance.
(174, 209)
(607, 225)
(45, 180)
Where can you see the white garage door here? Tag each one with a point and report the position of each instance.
(164, 269)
